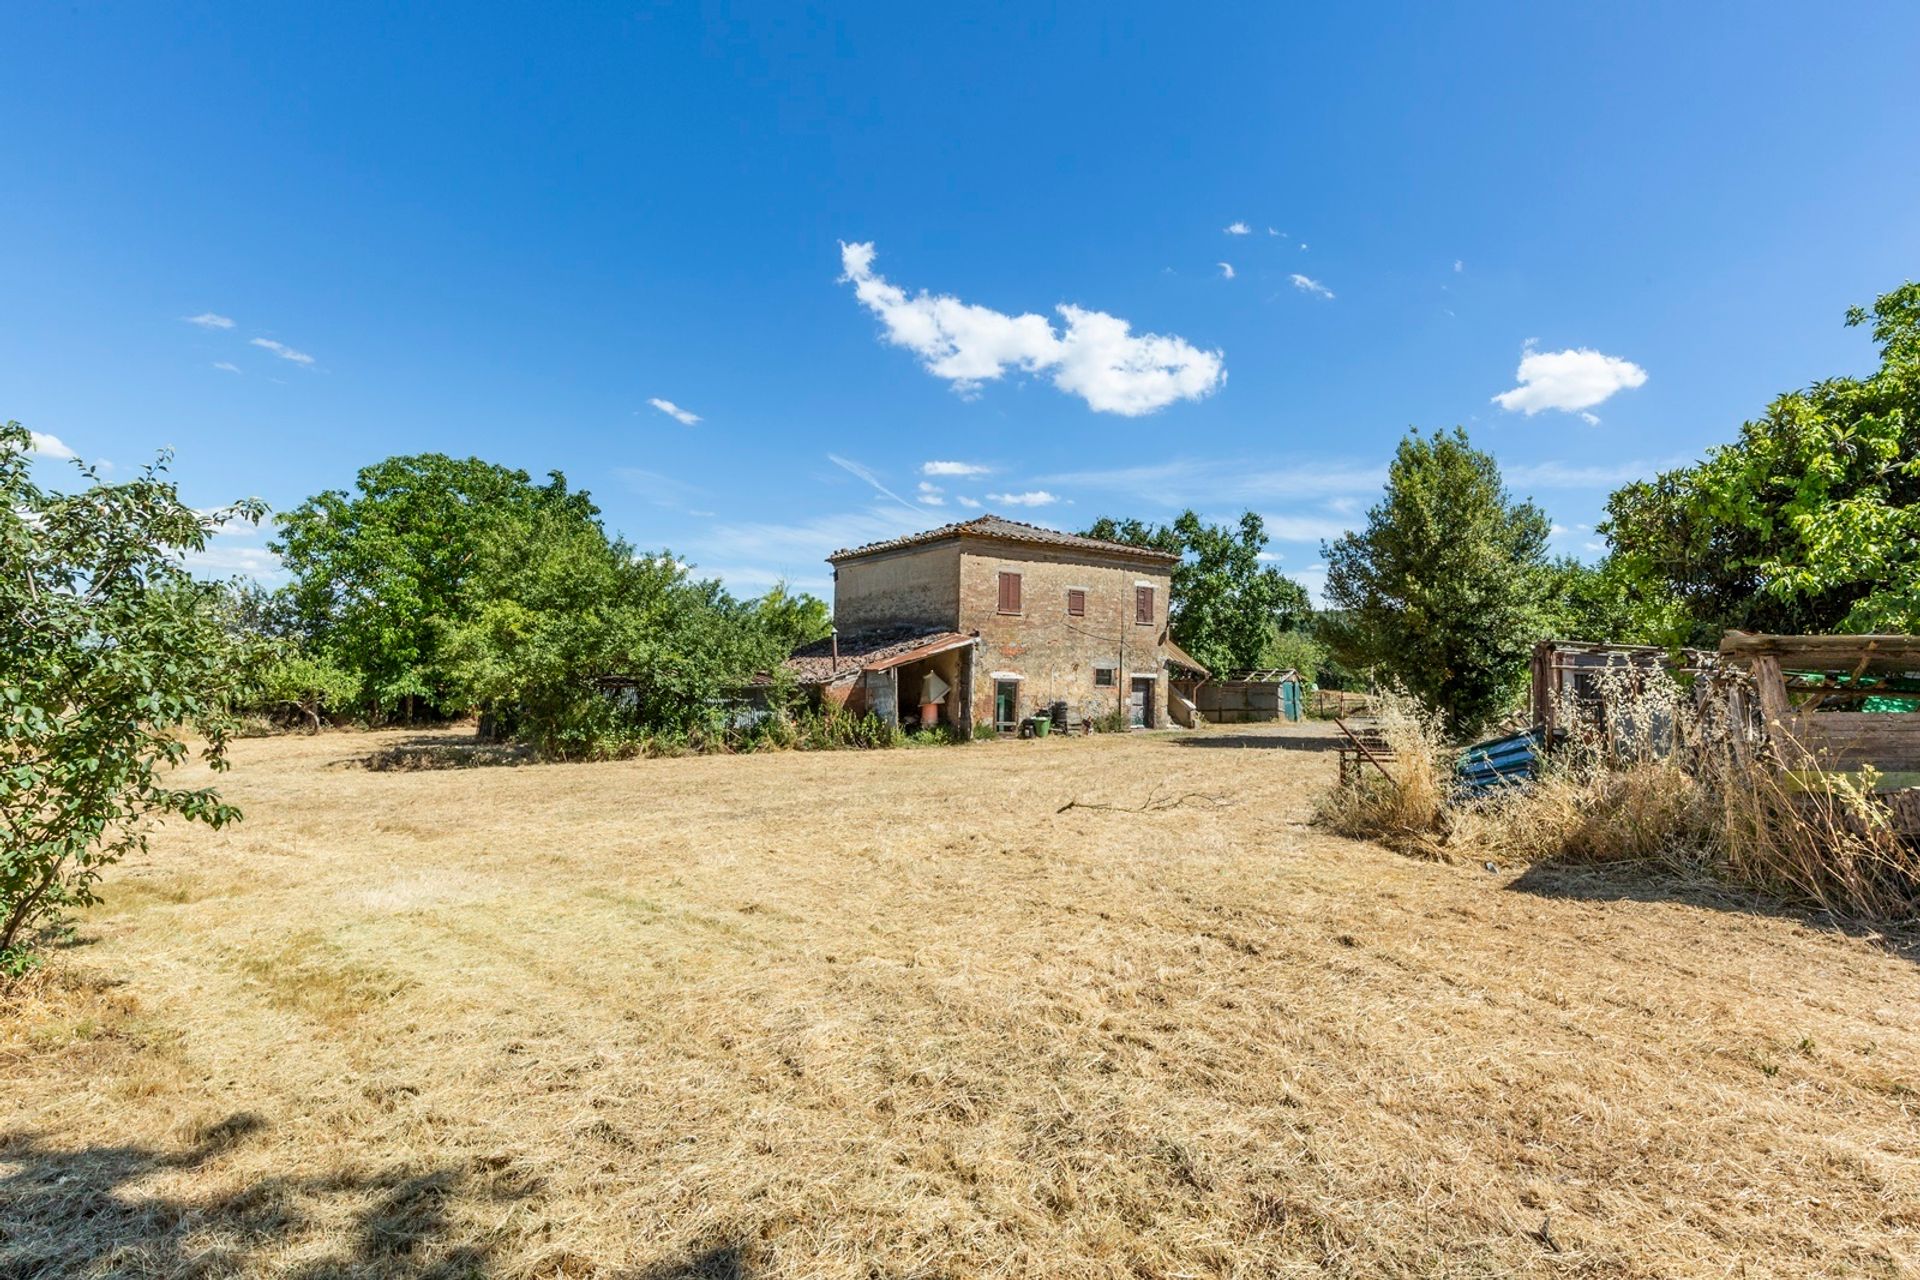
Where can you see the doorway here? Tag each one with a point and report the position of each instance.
(1006, 706)
(1140, 703)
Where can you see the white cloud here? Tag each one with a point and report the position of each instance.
(208, 320)
(1591, 419)
(953, 469)
(282, 350)
(684, 417)
(50, 446)
(1226, 269)
(1561, 475)
(972, 504)
(1458, 266)
(1097, 357)
(227, 366)
(1236, 228)
(1570, 380)
(1272, 232)
(1306, 284)
(1031, 498)
(930, 495)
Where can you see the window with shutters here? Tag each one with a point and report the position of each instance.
(1009, 592)
(1143, 606)
(1076, 603)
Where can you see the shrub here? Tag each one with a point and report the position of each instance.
(1655, 776)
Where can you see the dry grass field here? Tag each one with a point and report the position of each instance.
(894, 1015)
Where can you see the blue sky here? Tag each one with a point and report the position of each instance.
(844, 244)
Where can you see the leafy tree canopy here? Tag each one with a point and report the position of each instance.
(108, 650)
(383, 575)
(1226, 603)
(1444, 590)
(1809, 522)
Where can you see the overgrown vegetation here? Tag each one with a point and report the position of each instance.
(108, 650)
(445, 587)
(1809, 522)
(1653, 775)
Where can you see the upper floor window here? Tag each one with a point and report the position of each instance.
(1009, 592)
(1143, 606)
(1076, 603)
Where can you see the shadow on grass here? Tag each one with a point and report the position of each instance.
(1301, 740)
(440, 751)
(68, 1214)
(1638, 883)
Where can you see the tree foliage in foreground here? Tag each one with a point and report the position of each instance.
(108, 651)
(1444, 589)
(1226, 605)
(1809, 522)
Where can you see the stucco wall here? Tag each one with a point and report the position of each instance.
(1053, 654)
(918, 586)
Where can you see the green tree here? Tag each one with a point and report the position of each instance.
(1442, 591)
(1298, 650)
(381, 576)
(108, 651)
(792, 619)
(1226, 603)
(1809, 522)
(580, 646)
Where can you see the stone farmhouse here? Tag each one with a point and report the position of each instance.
(992, 621)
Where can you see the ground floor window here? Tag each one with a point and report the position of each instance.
(1103, 677)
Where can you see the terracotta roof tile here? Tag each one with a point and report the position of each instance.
(814, 663)
(1001, 529)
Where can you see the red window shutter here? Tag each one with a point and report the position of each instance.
(1077, 604)
(1009, 593)
(1143, 605)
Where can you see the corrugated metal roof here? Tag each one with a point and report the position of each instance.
(1000, 529)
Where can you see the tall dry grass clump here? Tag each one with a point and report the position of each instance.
(1656, 773)
(1406, 808)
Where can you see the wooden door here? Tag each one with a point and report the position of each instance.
(1140, 704)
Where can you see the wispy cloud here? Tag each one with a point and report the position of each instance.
(660, 489)
(210, 320)
(972, 504)
(1236, 228)
(1226, 269)
(866, 473)
(282, 350)
(953, 469)
(1565, 475)
(684, 417)
(1097, 357)
(930, 495)
(226, 366)
(1458, 266)
(1031, 498)
(1571, 380)
(50, 446)
(1307, 284)
(1272, 232)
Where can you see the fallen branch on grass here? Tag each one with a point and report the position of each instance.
(1154, 803)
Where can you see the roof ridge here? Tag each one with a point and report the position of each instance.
(990, 525)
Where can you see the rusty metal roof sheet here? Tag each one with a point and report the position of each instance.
(1001, 529)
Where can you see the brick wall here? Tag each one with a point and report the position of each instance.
(1055, 655)
(918, 586)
